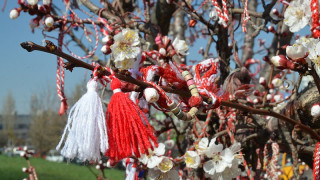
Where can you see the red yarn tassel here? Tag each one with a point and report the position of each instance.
(129, 131)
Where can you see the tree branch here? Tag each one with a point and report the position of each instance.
(50, 48)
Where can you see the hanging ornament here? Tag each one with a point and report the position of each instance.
(129, 131)
(86, 133)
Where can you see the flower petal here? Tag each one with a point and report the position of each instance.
(154, 161)
(160, 150)
(209, 167)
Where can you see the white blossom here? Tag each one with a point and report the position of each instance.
(221, 159)
(180, 46)
(228, 173)
(165, 165)
(125, 47)
(154, 158)
(297, 15)
(202, 146)
(296, 51)
(192, 159)
(276, 82)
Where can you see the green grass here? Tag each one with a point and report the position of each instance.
(11, 169)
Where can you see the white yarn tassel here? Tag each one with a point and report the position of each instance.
(86, 128)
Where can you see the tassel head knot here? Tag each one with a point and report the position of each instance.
(92, 85)
(115, 84)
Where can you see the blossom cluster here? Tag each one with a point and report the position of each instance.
(222, 163)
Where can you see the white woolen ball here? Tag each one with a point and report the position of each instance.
(32, 2)
(315, 110)
(14, 14)
(151, 95)
(49, 21)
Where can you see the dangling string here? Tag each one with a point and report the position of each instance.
(315, 18)
(245, 17)
(60, 73)
(316, 162)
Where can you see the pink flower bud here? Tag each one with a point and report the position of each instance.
(271, 29)
(14, 13)
(23, 154)
(269, 97)
(315, 110)
(105, 39)
(49, 21)
(262, 81)
(256, 101)
(106, 49)
(279, 61)
(24, 169)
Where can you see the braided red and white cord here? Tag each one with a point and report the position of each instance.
(271, 163)
(60, 77)
(223, 15)
(316, 162)
(245, 17)
(315, 18)
(87, 36)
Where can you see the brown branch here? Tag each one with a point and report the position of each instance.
(273, 114)
(315, 77)
(30, 46)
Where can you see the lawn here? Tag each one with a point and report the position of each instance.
(11, 169)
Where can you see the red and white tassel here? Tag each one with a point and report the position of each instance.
(86, 130)
(129, 131)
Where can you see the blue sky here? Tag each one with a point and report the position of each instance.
(23, 73)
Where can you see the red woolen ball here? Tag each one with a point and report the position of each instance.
(195, 101)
